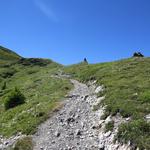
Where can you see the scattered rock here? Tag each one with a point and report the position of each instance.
(98, 89)
(101, 147)
(78, 132)
(61, 120)
(107, 134)
(70, 120)
(80, 127)
(53, 142)
(148, 117)
(86, 97)
(57, 134)
(79, 110)
(94, 127)
(6, 143)
(128, 119)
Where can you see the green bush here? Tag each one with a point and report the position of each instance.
(14, 99)
(4, 86)
(109, 126)
(8, 73)
(24, 144)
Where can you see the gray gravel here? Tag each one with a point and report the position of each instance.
(76, 126)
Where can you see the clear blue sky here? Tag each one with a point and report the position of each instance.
(69, 30)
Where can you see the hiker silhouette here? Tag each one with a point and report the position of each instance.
(85, 60)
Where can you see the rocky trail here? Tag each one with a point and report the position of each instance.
(72, 127)
(76, 126)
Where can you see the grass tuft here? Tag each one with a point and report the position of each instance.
(25, 143)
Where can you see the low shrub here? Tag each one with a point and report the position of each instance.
(145, 97)
(137, 132)
(109, 126)
(105, 115)
(8, 73)
(14, 99)
(4, 86)
(32, 71)
(24, 144)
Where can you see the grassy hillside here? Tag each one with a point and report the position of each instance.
(127, 91)
(43, 93)
(7, 55)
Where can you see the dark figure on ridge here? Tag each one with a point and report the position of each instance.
(85, 60)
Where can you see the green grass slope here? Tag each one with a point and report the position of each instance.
(127, 91)
(7, 55)
(43, 93)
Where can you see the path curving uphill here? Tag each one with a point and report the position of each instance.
(76, 126)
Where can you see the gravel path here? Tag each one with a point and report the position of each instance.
(74, 126)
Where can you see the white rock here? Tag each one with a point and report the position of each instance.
(107, 134)
(128, 119)
(57, 134)
(6, 143)
(82, 124)
(147, 117)
(1, 146)
(98, 89)
(108, 119)
(101, 146)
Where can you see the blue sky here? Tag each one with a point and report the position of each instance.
(69, 30)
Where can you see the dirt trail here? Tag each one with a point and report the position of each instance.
(73, 126)
(76, 126)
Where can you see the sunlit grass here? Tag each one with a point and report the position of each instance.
(43, 94)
